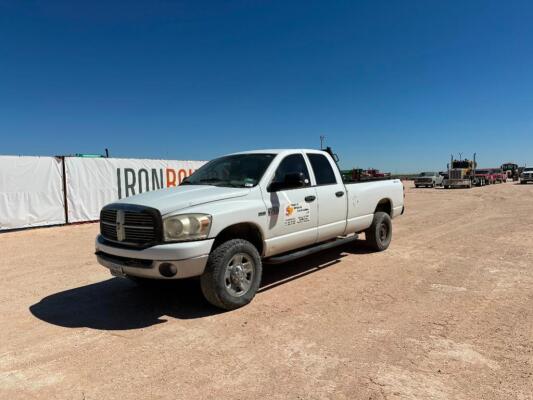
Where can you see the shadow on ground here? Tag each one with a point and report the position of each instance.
(118, 304)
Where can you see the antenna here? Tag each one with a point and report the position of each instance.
(322, 138)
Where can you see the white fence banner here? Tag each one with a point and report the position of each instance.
(94, 182)
(31, 192)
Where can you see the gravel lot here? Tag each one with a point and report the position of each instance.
(445, 313)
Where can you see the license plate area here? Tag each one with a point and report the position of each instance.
(116, 269)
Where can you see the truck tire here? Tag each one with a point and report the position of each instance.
(232, 275)
(379, 235)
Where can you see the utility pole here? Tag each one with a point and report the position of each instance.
(322, 142)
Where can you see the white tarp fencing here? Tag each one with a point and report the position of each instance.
(31, 188)
(31, 192)
(94, 182)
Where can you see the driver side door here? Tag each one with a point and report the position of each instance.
(292, 213)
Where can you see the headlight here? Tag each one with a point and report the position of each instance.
(186, 227)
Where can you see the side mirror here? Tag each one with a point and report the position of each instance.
(293, 180)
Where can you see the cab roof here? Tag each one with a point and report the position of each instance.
(280, 151)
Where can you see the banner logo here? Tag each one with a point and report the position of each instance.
(132, 181)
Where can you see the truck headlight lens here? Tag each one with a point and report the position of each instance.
(186, 227)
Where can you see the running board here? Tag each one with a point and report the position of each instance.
(310, 250)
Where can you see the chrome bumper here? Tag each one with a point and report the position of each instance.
(457, 182)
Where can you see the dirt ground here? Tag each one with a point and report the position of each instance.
(445, 313)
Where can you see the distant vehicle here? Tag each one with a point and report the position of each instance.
(484, 177)
(428, 179)
(526, 175)
(375, 173)
(461, 173)
(364, 175)
(512, 170)
(499, 175)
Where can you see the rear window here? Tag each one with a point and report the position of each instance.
(322, 168)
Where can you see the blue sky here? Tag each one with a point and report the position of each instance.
(397, 85)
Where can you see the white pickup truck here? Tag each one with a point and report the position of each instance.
(238, 211)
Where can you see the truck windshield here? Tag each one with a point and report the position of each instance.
(461, 164)
(239, 170)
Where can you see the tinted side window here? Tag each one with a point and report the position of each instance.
(322, 168)
(291, 164)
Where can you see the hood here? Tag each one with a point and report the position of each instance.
(181, 197)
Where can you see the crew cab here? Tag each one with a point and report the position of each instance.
(526, 175)
(241, 210)
(428, 179)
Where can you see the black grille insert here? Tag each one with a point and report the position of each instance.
(130, 225)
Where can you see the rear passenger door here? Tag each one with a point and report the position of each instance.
(332, 198)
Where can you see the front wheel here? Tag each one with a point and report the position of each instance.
(232, 275)
(379, 235)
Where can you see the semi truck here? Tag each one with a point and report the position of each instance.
(461, 173)
(238, 211)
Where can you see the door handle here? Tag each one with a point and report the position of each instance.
(309, 199)
(339, 194)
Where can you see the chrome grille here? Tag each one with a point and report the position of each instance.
(129, 226)
(456, 174)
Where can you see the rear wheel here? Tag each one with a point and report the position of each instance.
(379, 235)
(232, 275)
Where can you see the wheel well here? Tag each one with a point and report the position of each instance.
(385, 206)
(246, 231)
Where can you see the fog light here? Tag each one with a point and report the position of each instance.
(168, 270)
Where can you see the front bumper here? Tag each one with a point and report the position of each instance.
(421, 183)
(183, 260)
(457, 182)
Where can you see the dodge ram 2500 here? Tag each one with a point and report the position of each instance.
(241, 210)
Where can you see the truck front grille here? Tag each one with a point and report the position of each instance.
(456, 174)
(130, 225)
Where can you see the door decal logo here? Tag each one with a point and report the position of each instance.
(297, 213)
